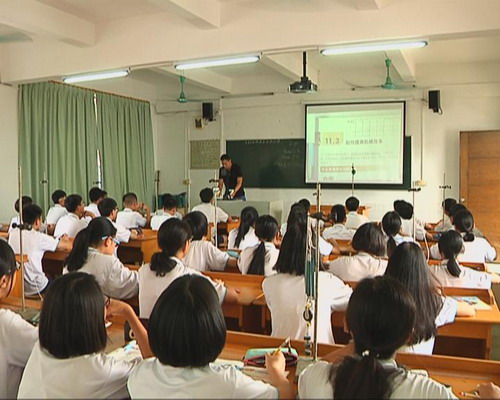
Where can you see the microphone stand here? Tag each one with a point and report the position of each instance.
(215, 190)
(157, 188)
(353, 172)
(444, 186)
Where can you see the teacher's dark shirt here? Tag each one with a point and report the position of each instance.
(230, 179)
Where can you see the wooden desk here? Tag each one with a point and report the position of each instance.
(476, 266)
(4, 235)
(139, 250)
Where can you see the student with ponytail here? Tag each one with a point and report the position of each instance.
(391, 224)
(380, 316)
(260, 260)
(338, 230)
(451, 273)
(244, 236)
(174, 240)
(94, 253)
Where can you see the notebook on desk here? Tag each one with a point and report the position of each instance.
(474, 301)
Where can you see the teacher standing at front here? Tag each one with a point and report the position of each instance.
(231, 178)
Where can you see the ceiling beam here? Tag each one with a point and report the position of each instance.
(366, 5)
(203, 78)
(403, 63)
(202, 13)
(290, 65)
(35, 18)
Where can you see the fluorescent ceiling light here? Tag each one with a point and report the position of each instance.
(369, 47)
(217, 62)
(96, 76)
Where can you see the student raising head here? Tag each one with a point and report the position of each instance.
(96, 195)
(405, 211)
(380, 316)
(174, 240)
(369, 242)
(407, 265)
(17, 337)
(74, 221)
(169, 211)
(109, 208)
(354, 220)
(207, 208)
(285, 292)
(244, 236)
(187, 332)
(391, 224)
(131, 216)
(451, 273)
(69, 359)
(94, 253)
(56, 211)
(338, 231)
(202, 254)
(260, 259)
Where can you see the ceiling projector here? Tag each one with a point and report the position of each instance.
(305, 85)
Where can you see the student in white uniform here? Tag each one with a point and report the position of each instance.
(130, 217)
(451, 273)
(354, 220)
(285, 291)
(35, 244)
(369, 242)
(169, 211)
(74, 221)
(380, 316)
(174, 239)
(244, 236)
(93, 253)
(476, 249)
(391, 224)
(445, 224)
(260, 260)
(56, 211)
(202, 254)
(17, 337)
(338, 231)
(407, 265)
(207, 207)
(69, 359)
(96, 195)
(405, 211)
(109, 208)
(25, 200)
(187, 333)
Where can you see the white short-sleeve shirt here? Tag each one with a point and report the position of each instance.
(113, 277)
(92, 207)
(355, 220)
(130, 219)
(122, 233)
(97, 376)
(204, 256)
(17, 339)
(314, 383)
(249, 240)
(70, 225)
(246, 257)
(35, 244)
(407, 228)
(209, 211)
(152, 286)
(444, 225)
(338, 231)
(477, 251)
(469, 278)
(153, 380)
(158, 220)
(55, 212)
(357, 267)
(286, 298)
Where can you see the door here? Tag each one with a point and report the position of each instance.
(480, 180)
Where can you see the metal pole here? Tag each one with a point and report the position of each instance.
(157, 188)
(45, 182)
(444, 186)
(21, 254)
(318, 261)
(215, 190)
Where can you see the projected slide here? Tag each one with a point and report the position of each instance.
(369, 136)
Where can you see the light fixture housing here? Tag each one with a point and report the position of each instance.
(96, 76)
(218, 62)
(375, 46)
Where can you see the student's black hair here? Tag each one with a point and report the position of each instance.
(352, 203)
(198, 223)
(247, 219)
(169, 201)
(7, 260)
(338, 214)
(187, 326)
(454, 210)
(450, 246)
(266, 229)
(107, 206)
(96, 193)
(305, 203)
(407, 265)
(25, 200)
(97, 230)
(296, 215)
(464, 223)
(404, 209)
(172, 236)
(380, 316)
(129, 198)
(72, 202)
(370, 239)
(31, 213)
(447, 204)
(292, 256)
(225, 157)
(206, 195)
(391, 223)
(57, 195)
(72, 317)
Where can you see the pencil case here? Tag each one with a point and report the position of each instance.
(257, 357)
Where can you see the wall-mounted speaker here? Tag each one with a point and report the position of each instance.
(207, 111)
(435, 101)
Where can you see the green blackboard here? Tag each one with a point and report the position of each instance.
(280, 163)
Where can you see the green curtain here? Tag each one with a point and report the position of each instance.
(59, 134)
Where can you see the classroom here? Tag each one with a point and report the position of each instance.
(43, 42)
